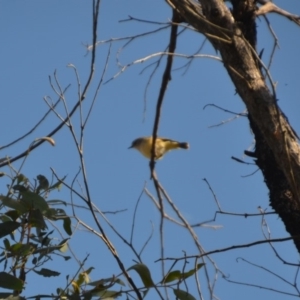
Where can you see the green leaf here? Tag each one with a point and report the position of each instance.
(22, 249)
(183, 295)
(33, 200)
(56, 214)
(174, 275)
(6, 244)
(83, 277)
(5, 218)
(13, 214)
(8, 227)
(45, 240)
(8, 281)
(67, 225)
(58, 184)
(36, 219)
(73, 296)
(57, 201)
(47, 250)
(9, 296)
(20, 188)
(47, 273)
(63, 245)
(35, 261)
(64, 248)
(89, 270)
(192, 271)
(14, 204)
(60, 214)
(177, 275)
(50, 214)
(109, 280)
(103, 294)
(144, 273)
(21, 178)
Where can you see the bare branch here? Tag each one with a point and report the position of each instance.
(270, 7)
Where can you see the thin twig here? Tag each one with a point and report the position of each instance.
(36, 125)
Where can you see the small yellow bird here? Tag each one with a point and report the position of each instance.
(162, 146)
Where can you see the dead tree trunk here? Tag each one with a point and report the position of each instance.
(277, 154)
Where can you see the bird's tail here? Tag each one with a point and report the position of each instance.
(170, 144)
(184, 145)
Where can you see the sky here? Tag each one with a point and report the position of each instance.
(42, 38)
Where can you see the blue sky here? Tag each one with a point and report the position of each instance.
(39, 37)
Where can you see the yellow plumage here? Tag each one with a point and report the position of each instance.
(162, 145)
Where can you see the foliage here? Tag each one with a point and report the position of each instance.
(36, 229)
(27, 217)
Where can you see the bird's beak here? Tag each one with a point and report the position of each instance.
(130, 147)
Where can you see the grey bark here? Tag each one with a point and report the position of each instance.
(233, 34)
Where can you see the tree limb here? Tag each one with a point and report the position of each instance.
(213, 19)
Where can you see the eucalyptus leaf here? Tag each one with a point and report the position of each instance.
(144, 273)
